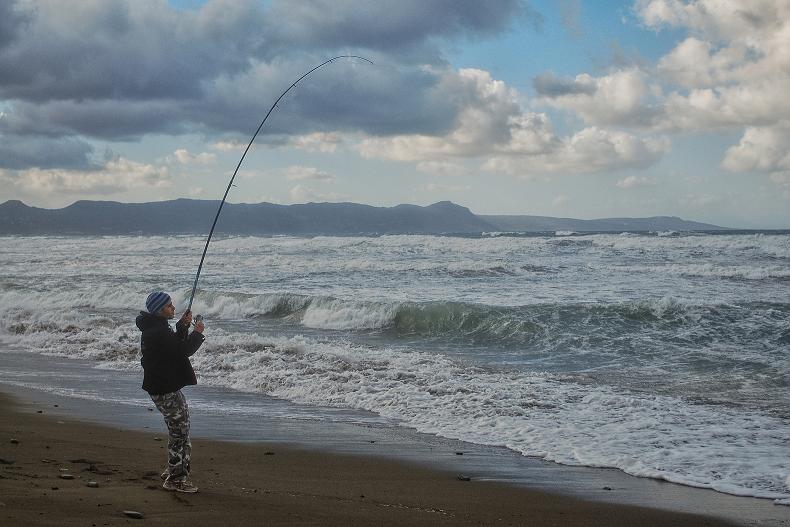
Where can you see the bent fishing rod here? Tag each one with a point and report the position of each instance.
(249, 145)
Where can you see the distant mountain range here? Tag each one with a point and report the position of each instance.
(187, 216)
(545, 223)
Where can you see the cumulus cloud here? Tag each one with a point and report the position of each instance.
(302, 173)
(754, 104)
(590, 150)
(489, 107)
(760, 149)
(494, 126)
(623, 97)
(229, 146)
(325, 142)
(116, 175)
(734, 68)
(765, 150)
(184, 157)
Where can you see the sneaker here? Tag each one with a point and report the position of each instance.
(179, 486)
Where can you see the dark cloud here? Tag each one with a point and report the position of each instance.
(347, 95)
(117, 70)
(13, 21)
(127, 50)
(343, 96)
(101, 119)
(20, 152)
(403, 24)
(549, 85)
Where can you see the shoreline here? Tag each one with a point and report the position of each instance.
(77, 390)
(245, 481)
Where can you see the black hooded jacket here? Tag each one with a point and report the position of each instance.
(166, 354)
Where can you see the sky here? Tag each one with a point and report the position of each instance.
(569, 108)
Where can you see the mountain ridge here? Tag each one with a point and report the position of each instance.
(191, 216)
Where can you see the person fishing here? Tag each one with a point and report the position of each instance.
(166, 370)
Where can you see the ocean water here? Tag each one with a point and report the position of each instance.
(665, 355)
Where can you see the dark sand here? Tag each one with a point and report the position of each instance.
(257, 484)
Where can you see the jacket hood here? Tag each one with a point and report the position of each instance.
(146, 321)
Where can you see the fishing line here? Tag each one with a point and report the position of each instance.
(230, 184)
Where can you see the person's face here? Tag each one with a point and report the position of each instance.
(169, 311)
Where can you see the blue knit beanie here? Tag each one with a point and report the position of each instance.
(156, 301)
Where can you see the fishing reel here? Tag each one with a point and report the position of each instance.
(197, 320)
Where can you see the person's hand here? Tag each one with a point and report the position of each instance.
(186, 318)
(199, 327)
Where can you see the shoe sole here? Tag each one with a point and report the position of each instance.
(183, 491)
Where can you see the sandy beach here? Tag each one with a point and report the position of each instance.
(47, 463)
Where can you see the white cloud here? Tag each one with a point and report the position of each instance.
(716, 19)
(623, 97)
(754, 104)
(229, 146)
(117, 175)
(588, 151)
(765, 150)
(760, 149)
(489, 106)
(303, 173)
(186, 158)
(494, 126)
(630, 182)
(324, 142)
(733, 71)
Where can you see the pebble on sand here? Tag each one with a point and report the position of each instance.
(134, 514)
(66, 476)
(92, 484)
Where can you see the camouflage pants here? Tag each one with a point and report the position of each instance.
(173, 407)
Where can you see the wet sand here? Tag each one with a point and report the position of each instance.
(256, 484)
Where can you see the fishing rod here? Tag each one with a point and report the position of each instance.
(230, 184)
